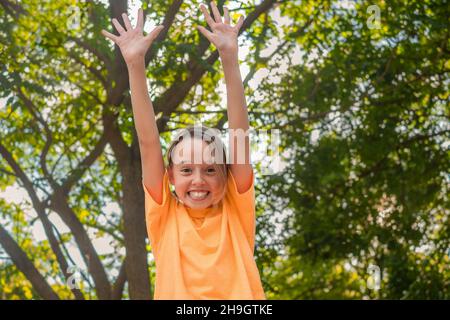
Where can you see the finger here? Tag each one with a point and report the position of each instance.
(208, 18)
(208, 34)
(216, 13)
(127, 22)
(239, 23)
(140, 21)
(226, 15)
(119, 28)
(154, 34)
(110, 35)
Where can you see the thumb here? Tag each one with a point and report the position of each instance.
(208, 34)
(154, 34)
(239, 23)
(109, 35)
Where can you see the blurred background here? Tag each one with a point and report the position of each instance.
(358, 91)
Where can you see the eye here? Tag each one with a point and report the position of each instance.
(186, 170)
(211, 170)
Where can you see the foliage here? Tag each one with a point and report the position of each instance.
(364, 119)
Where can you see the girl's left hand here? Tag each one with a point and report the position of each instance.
(223, 35)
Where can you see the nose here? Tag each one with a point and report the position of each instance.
(197, 178)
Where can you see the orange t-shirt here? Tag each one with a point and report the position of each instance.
(204, 254)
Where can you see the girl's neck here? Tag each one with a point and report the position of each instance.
(200, 213)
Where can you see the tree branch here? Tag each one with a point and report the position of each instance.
(94, 71)
(75, 175)
(12, 8)
(120, 283)
(116, 94)
(102, 286)
(24, 264)
(40, 210)
(58, 202)
(102, 57)
(48, 134)
(176, 94)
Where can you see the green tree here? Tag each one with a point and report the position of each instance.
(365, 117)
(67, 135)
(363, 111)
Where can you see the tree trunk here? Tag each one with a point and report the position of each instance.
(136, 265)
(135, 231)
(102, 286)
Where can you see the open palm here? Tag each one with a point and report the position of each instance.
(223, 35)
(131, 41)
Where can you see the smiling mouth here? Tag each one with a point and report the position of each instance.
(198, 195)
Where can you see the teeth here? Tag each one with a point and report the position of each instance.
(198, 195)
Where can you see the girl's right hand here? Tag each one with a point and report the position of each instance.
(132, 43)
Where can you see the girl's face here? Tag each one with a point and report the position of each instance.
(199, 182)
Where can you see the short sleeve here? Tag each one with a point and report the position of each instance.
(156, 213)
(244, 205)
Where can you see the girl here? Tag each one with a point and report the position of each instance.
(202, 236)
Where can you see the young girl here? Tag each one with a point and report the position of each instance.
(203, 235)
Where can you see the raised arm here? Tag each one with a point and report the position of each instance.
(224, 37)
(133, 46)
